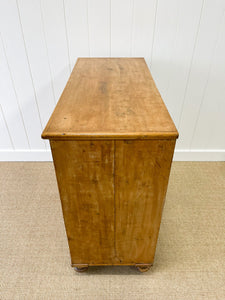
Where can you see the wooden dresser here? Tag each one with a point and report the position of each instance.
(112, 142)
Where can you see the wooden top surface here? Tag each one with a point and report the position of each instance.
(110, 98)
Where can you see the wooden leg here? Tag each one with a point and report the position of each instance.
(143, 267)
(80, 268)
(140, 267)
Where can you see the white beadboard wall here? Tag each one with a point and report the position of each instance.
(183, 42)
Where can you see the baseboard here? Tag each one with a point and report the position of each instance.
(179, 155)
(25, 155)
(199, 155)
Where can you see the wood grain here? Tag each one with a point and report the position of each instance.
(112, 189)
(110, 98)
(112, 195)
(141, 177)
(84, 171)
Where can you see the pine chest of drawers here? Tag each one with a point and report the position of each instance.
(112, 142)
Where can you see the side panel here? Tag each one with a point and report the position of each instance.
(141, 176)
(84, 173)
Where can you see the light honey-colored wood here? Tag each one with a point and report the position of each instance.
(84, 171)
(110, 98)
(112, 143)
(112, 196)
(141, 176)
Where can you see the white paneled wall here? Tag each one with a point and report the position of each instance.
(183, 42)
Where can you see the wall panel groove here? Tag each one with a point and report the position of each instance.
(9, 103)
(66, 35)
(6, 141)
(210, 126)
(207, 80)
(180, 62)
(191, 62)
(56, 44)
(154, 27)
(165, 32)
(28, 63)
(45, 42)
(76, 17)
(16, 96)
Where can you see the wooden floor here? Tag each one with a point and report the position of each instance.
(190, 255)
